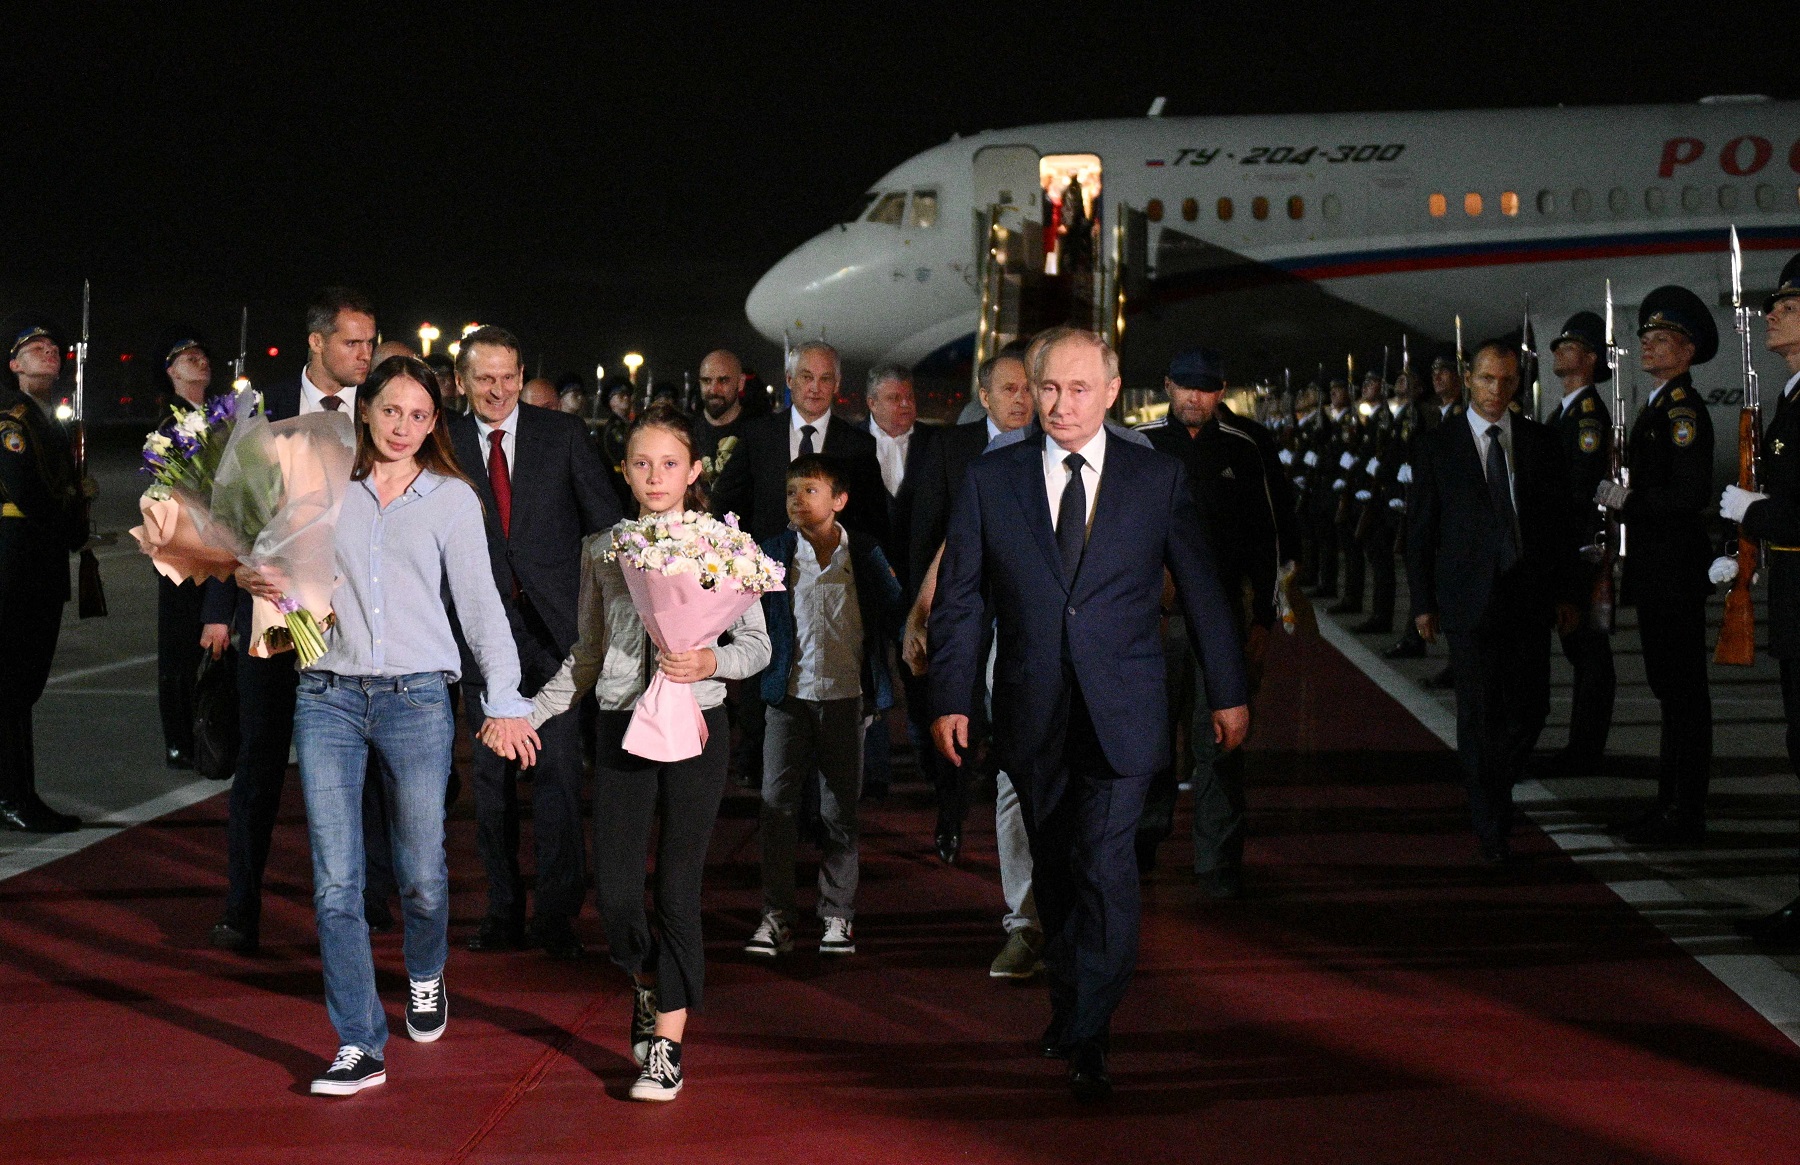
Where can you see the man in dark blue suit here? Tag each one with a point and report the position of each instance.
(544, 488)
(1070, 535)
(340, 341)
(1491, 562)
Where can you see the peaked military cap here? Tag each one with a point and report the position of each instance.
(1676, 309)
(22, 327)
(1586, 327)
(1788, 285)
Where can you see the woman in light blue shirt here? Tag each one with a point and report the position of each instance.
(410, 545)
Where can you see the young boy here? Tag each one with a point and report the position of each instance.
(825, 673)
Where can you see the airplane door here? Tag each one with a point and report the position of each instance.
(1007, 242)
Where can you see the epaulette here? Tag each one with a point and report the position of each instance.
(1678, 394)
(1587, 404)
(17, 412)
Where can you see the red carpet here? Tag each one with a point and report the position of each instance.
(1380, 999)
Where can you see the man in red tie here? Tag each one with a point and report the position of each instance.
(545, 489)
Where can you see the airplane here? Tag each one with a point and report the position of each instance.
(1291, 242)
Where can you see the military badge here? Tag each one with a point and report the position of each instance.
(1684, 434)
(17, 411)
(12, 440)
(1777, 447)
(1588, 436)
(1587, 404)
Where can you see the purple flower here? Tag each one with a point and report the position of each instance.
(185, 445)
(221, 408)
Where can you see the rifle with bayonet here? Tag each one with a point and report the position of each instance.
(238, 383)
(1528, 360)
(90, 592)
(1737, 637)
(1603, 603)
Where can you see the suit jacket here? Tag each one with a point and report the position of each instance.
(900, 506)
(1670, 448)
(1454, 534)
(1105, 623)
(937, 481)
(560, 494)
(754, 483)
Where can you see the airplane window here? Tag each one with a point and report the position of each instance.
(1224, 210)
(924, 210)
(1728, 197)
(1437, 205)
(863, 203)
(1190, 209)
(1765, 197)
(1580, 201)
(1509, 203)
(1259, 208)
(1655, 199)
(1472, 204)
(1546, 202)
(1296, 207)
(1618, 200)
(1691, 198)
(1153, 210)
(890, 210)
(1332, 206)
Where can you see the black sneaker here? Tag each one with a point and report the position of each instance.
(661, 1078)
(352, 1071)
(643, 1022)
(427, 1008)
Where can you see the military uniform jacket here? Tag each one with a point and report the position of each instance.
(1775, 522)
(1585, 430)
(1670, 450)
(39, 498)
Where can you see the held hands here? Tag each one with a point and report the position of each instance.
(951, 733)
(688, 667)
(915, 649)
(1611, 494)
(1734, 503)
(511, 737)
(215, 637)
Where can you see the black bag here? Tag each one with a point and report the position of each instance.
(216, 716)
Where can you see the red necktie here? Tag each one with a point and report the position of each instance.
(500, 480)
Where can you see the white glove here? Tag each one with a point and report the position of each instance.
(1311, 458)
(1723, 570)
(1404, 475)
(1338, 484)
(1285, 456)
(1374, 466)
(1363, 495)
(1733, 502)
(1611, 494)
(1398, 505)
(1347, 461)
(1299, 483)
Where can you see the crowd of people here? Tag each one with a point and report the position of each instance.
(1077, 610)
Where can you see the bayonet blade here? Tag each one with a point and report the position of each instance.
(1737, 270)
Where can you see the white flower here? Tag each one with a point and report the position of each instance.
(193, 423)
(158, 444)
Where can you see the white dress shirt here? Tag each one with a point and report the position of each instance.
(993, 429)
(819, 427)
(1788, 389)
(509, 440)
(312, 398)
(1480, 424)
(1654, 393)
(1056, 474)
(1569, 397)
(890, 452)
(828, 634)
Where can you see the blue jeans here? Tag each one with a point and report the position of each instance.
(408, 722)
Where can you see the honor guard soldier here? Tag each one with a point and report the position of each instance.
(1584, 425)
(40, 526)
(1773, 519)
(1359, 438)
(1668, 553)
(1335, 436)
(1229, 471)
(1301, 442)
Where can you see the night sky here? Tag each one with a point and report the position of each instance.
(619, 179)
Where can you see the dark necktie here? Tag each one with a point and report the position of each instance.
(500, 479)
(1500, 495)
(331, 403)
(1071, 517)
(806, 440)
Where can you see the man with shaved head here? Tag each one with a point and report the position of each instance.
(539, 393)
(389, 348)
(721, 400)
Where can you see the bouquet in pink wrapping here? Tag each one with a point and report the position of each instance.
(690, 576)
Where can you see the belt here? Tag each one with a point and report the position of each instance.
(380, 683)
(8, 510)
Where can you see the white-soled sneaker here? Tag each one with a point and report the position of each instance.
(661, 1078)
(643, 1022)
(427, 1008)
(839, 939)
(352, 1071)
(773, 937)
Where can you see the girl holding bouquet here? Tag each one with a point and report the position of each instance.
(410, 530)
(667, 963)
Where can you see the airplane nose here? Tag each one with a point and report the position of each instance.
(771, 303)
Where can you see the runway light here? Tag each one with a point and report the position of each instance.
(455, 349)
(274, 351)
(427, 333)
(467, 328)
(64, 412)
(599, 375)
(633, 362)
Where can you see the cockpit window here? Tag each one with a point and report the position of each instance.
(924, 210)
(891, 209)
(863, 202)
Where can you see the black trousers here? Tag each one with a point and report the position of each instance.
(1325, 537)
(33, 620)
(1673, 631)
(1589, 652)
(1081, 818)
(1378, 547)
(1502, 676)
(177, 660)
(555, 797)
(266, 723)
(1352, 592)
(629, 794)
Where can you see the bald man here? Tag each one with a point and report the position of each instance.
(389, 348)
(539, 392)
(721, 399)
